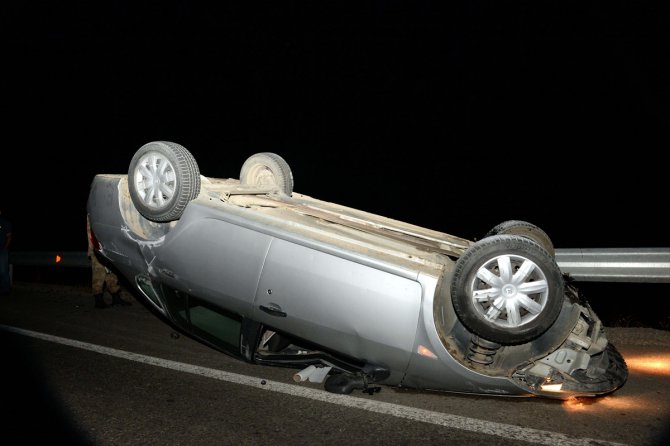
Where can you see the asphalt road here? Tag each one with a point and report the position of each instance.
(121, 375)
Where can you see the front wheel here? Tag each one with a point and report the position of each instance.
(163, 178)
(507, 289)
(525, 229)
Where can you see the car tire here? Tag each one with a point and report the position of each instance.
(525, 229)
(267, 170)
(163, 178)
(507, 289)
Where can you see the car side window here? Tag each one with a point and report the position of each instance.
(215, 325)
(204, 320)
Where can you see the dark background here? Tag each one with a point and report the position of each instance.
(450, 115)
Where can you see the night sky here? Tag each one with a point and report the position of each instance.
(453, 116)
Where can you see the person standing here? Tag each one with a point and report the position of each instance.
(102, 277)
(5, 242)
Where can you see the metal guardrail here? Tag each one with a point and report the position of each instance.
(616, 264)
(581, 264)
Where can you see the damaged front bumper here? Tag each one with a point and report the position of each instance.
(586, 364)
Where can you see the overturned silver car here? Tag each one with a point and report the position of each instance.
(274, 277)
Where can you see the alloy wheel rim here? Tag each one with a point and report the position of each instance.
(509, 291)
(155, 180)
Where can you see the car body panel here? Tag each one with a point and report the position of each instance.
(342, 305)
(222, 270)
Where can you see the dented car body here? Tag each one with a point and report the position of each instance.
(271, 276)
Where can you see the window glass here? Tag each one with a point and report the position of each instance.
(177, 304)
(144, 284)
(215, 325)
(204, 320)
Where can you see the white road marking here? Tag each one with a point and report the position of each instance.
(507, 431)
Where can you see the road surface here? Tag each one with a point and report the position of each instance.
(122, 375)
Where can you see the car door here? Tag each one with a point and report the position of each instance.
(338, 303)
(215, 260)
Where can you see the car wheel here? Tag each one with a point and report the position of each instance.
(163, 178)
(267, 170)
(525, 229)
(507, 289)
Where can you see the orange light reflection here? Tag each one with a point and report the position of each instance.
(607, 402)
(651, 364)
(424, 351)
(58, 259)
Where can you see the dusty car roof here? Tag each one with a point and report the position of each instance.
(368, 234)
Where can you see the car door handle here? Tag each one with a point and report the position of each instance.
(167, 272)
(273, 310)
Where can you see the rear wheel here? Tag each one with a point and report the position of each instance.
(163, 178)
(507, 289)
(267, 170)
